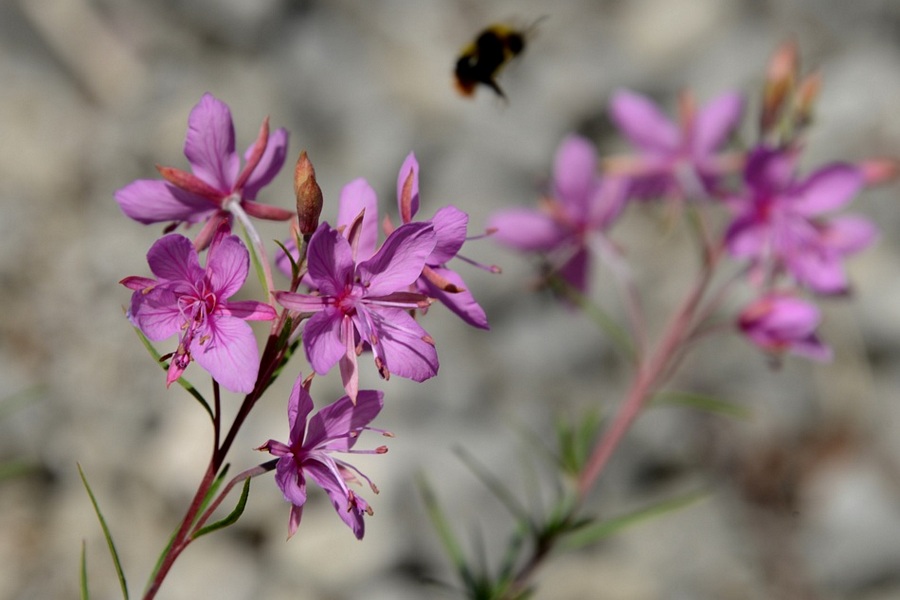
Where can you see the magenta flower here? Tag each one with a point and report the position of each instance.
(681, 160)
(335, 428)
(779, 323)
(366, 302)
(450, 224)
(780, 223)
(193, 302)
(217, 178)
(580, 208)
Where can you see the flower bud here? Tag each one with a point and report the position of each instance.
(309, 196)
(877, 171)
(807, 93)
(780, 76)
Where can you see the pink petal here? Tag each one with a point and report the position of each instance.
(227, 349)
(331, 426)
(820, 271)
(227, 264)
(410, 164)
(322, 340)
(356, 197)
(576, 270)
(575, 173)
(402, 345)
(154, 201)
(290, 479)
(747, 236)
(643, 124)
(173, 258)
(399, 261)
(302, 302)
(850, 234)
(526, 229)
(828, 189)
(300, 405)
(462, 303)
(156, 314)
(269, 165)
(768, 170)
(714, 123)
(249, 310)
(450, 225)
(323, 470)
(330, 261)
(209, 144)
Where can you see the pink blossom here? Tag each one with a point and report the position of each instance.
(676, 159)
(780, 322)
(192, 301)
(437, 280)
(781, 223)
(580, 208)
(335, 428)
(216, 179)
(366, 302)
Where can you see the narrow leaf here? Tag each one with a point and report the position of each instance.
(232, 517)
(85, 595)
(187, 385)
(506, 497)
(702, 402)
(441, 524)
(603, 529)
(109, 541)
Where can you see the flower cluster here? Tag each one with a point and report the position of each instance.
(356, 295)
(782, 225)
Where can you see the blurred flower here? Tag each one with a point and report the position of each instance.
(193, 302)
(581, 206)
(216, 181)
(366, 302)
(779, 221)
(680, 160)
(335, 428)
(780, 323)
(450, 224)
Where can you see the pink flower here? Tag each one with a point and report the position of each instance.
(450, 224)
(217, 178)
(780, 221)
(581, 207)
(193, 302)
(366, 301)
(335, 428)
(674, 159)
(779, 323)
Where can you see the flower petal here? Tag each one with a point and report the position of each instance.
(643, 124)
(409, 165)
(337, 426)
(356, 197)
(330, 261)
(154, 201)
(156, 313)
(249, 310)
(227, 349)
(399, 261)
(209, 144)
(324, 471)
(402, 346)
(173, 258)
(300, 404)
(828, 189)
(227, 265)
(526, 229)
(269, 165)
(462, 303)
(291, 481)
(575, 174)
(714, 123)
(849, 234)
(322, 340)
(450, 225)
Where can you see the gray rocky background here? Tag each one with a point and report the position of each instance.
(805, 495)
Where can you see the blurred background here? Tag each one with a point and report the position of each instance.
(805, 494)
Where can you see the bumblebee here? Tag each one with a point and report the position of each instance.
(482, 60)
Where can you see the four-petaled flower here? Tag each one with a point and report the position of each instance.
(335, 428)
(193, 302)
(780, 322)
(450, 223)
(217, 179)
(582, 205)
(680, 160)
(366, 302)
(779, 221)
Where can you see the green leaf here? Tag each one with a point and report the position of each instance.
(85, 595)
(597, 531)
(187, 385)
(295, 268)
(13, 469)
(503, 493)
(109, 541)
(444, 531)
(702, 402)
(232, 517)
(254, 260)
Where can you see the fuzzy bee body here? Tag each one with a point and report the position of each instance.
(481, 61)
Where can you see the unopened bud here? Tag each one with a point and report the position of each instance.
(807, 94)
(876, 171)
(309, 196)
(780, 76)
